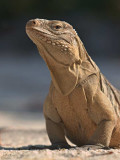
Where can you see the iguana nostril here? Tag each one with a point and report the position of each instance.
(34, 22)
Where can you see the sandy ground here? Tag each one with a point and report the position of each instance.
(23, 137)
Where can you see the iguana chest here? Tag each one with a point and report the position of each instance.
(74, 112)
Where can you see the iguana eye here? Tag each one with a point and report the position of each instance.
(57, 27)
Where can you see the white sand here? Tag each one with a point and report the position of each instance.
(21, 133)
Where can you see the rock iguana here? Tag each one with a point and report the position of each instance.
(81, 104)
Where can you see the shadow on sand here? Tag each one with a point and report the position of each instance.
(31, 147)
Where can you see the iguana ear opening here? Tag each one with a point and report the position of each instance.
(64, 78)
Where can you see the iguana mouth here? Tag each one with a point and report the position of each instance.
(41, 33)
(45, 38)
(48, 38)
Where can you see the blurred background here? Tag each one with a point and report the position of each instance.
(24, 77)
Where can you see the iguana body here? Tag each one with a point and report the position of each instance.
(81, 103)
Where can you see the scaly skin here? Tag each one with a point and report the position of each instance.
(81, 104)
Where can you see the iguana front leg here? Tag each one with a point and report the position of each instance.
(56, 134)
(103, 114)
(103, 133)
(54, 125)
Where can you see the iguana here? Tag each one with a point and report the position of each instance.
(81, 104)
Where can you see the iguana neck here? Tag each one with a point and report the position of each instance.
(66, 77)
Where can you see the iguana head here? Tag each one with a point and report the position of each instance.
(56, 38)
(59, 46)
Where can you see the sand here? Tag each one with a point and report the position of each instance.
(23, 137)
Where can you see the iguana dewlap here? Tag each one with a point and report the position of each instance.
(81, 104)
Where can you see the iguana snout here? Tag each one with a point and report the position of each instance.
(56, 38)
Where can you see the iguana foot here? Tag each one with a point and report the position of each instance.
(60, 146)
(94, 147)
